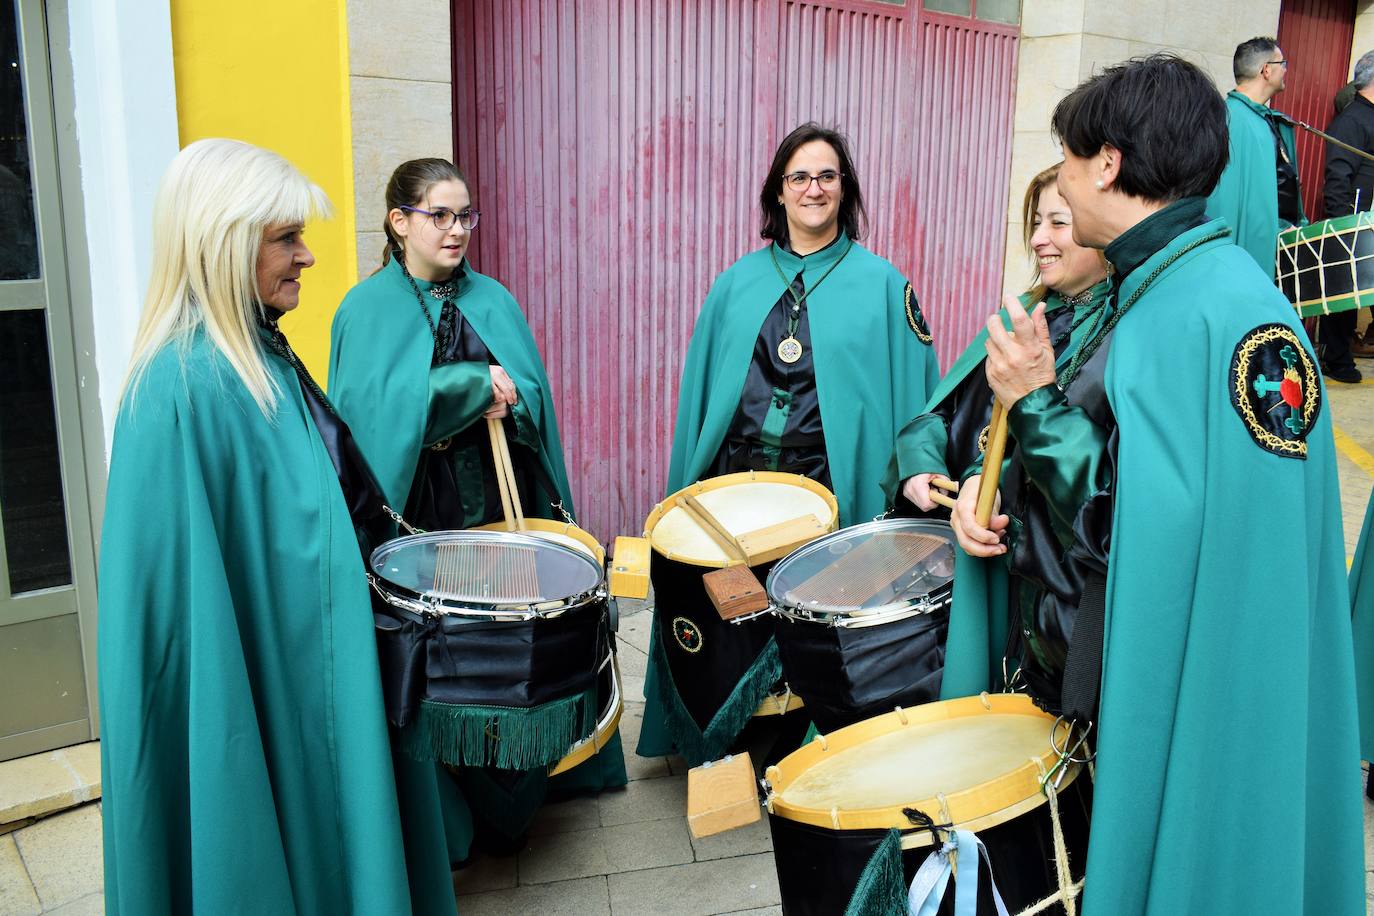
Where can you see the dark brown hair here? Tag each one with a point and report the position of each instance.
(408, 186)
(853, 216)
(1164, 115)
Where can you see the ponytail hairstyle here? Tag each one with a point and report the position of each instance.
(213, 205)
(408, 186)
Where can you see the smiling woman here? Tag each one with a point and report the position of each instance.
(244, 752)
(806, 358)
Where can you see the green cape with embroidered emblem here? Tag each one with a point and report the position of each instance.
(874, 365)
(1362, 615)
(1227, 775)
(244, 750)
(380, 379)
(1247, 195)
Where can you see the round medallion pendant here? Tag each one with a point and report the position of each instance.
(789, 350)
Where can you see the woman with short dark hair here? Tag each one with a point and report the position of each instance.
(1173, 532)
(807, 357)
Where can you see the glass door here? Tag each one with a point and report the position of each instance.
(46, 556)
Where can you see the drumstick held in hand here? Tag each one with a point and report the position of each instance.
(497, 434)
(510, 479)
(992, 463)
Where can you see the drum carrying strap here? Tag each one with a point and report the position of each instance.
(932, 878)
(1083, 670)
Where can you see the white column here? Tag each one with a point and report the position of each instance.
(126, 132)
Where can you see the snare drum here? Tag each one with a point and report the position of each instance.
(862, 617)
(720, 674)
(1328, 266)
(495, 647)
(973, 763)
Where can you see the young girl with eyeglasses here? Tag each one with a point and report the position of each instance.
(423, 352)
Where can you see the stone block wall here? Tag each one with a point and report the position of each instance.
(400, 76)
(1065, 41)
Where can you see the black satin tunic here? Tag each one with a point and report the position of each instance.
(772, 385)
(968, 409)
(456, 485)
(1050, 561)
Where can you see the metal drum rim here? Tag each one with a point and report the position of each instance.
(427, 604)
(791, 611)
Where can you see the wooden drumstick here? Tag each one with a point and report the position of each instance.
(992, 463)
(942, 483)
(498, 435)
(510, 479)
(712, 526)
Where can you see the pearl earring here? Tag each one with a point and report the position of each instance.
(1099, 186)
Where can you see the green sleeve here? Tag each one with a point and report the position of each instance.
(459, 393)
(1063, 451)
(921, 447)
(523, 426)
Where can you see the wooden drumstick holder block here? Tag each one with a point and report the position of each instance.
(630, 568)
(735, 591)
(721, 795)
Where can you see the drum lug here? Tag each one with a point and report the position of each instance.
(767, 794)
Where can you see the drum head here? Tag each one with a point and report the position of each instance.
(869, 569)
(565, 533)
(744, 503)
(977, 754)
(483, 569)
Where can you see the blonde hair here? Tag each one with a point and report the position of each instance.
(1038, 291)
(212, 208)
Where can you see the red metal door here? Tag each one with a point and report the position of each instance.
(615, 151)
(1315, 37)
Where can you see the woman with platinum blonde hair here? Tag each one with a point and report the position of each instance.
(245, 758)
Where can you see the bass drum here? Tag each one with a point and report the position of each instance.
(968, 764)
(706, 656)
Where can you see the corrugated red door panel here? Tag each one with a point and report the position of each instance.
(1315, 37)
(616, 149)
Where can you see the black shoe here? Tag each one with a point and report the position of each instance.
(1349, 375)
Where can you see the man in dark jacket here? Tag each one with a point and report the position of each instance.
(1350, 187)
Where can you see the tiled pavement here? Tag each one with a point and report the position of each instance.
(627, 852)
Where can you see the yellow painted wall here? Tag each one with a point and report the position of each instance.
(275, 73)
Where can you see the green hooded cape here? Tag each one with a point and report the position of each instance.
(382, 383)
(1227, 763)
(244, 750)
(875, 368)
(978, 615)
(1247, 194)
(1362, 611)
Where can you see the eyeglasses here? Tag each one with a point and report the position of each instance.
(800, 182)
(1277, 63)
(444, 218)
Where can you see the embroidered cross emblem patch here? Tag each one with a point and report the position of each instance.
(1275, 389)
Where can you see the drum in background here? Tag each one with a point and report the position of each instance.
(862, 617)
(1328, 266)
(495, 647)
(968, 763)
(707, 656)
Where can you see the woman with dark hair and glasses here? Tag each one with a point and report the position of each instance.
(423, 351)
(808, 356)
(1173, 533)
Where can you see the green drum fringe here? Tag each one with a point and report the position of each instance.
(881, 890)
(508, 737)
(692, 743)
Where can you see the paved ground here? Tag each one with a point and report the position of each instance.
(628, 852)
